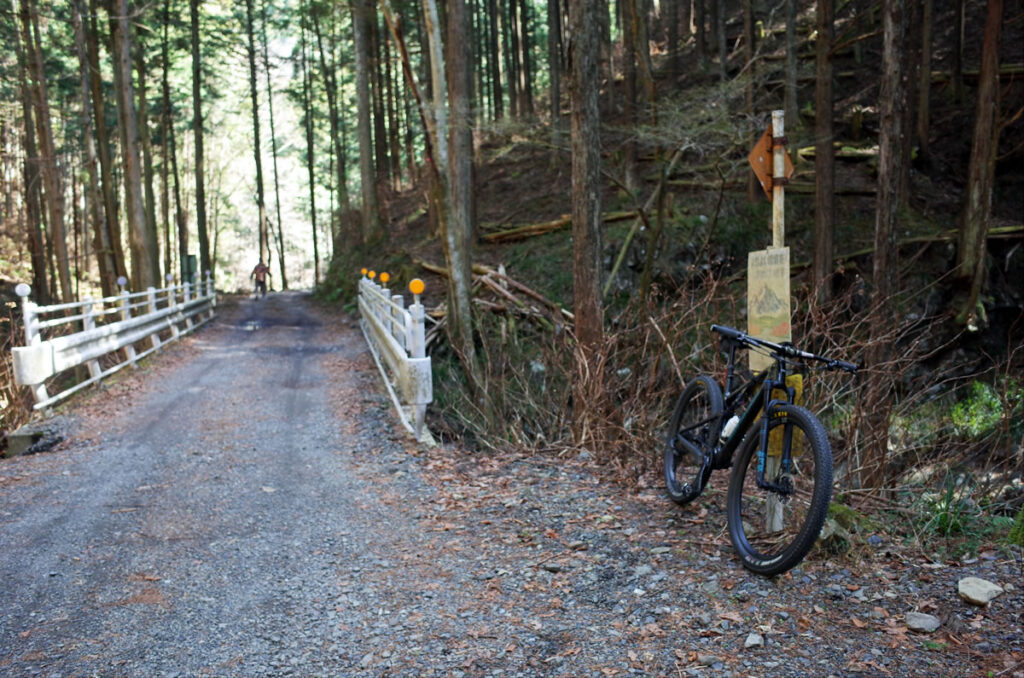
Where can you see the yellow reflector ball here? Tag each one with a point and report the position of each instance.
(416, 286)
(364, 271)
(372, 274)
(384, 277)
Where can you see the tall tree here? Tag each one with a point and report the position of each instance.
(102, 247)
(459, 227)
(103, 144)
(877, 400)
(337, 125)
(146, 147)
(555, 63)
(791, 105)
(824, 153)
(307, 119)
(50, 170)
(362, 14)
(31, 176)
(264, 241)
(206, 259)
(170, 143)
(494, 60)
(144, 249)
(586, 214)
(974, 222)
(924, 82)
(273, 146)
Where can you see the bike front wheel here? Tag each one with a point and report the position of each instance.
(773, 524)
(691, 436)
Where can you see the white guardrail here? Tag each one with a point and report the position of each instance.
(63, 336)
(396, 338)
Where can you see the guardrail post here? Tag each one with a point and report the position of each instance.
(151, 296)
(126, 313)
(89, 323)
(30, 316)
(398, 318)
(172, 301)
(187, 298)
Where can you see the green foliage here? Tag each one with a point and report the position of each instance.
(951, 510)
(1016, 536)
(979, 412)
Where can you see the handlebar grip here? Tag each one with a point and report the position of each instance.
(845, 366)
(728, 332)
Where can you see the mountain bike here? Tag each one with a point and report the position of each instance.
(781, 481)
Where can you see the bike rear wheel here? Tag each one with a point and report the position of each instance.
(773, 528)
(691, 437)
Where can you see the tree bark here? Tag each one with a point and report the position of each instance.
(700, 23)
(264, 241)
(629, 59)
(525, 61)
(32, 180)
(273, 147)
(723, 47)
(337, 126)
(459, 228)
(494, 60)
(51, 175)
(207, 259)
(382, 166)
(102, 248)
(974, 223)
(144, 251)
(555, 65)
(361, 15)
(924, 82)
(307, 119)
(170, 142)
(824, 154)
(147, 162)
(792, 106)
(112, 222)
(586, 220)
(877, 401)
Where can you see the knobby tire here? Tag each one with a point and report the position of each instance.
(763, 547)
(696, 417)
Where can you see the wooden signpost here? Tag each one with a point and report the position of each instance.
(768, 305)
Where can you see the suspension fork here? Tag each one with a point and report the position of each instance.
(785, 457)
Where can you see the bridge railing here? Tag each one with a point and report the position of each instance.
(396, 336)
(60, 337)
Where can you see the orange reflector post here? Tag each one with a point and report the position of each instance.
(372, 274)
(385, 276)
(416, 286)
(364, 271)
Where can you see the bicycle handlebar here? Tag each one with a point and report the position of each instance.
(783, 349)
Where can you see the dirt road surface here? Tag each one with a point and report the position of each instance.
(246, 504)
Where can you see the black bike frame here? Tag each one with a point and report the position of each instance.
(765, 386)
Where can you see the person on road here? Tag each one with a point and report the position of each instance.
(260, 273)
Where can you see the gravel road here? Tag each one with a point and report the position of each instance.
(246, 505)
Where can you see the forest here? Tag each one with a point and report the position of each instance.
(572, 181)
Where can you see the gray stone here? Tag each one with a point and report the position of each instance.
(753, 640)
(924, 623)
(977, 591)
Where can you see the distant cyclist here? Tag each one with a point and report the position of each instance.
(260, 273)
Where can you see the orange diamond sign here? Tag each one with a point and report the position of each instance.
(760, 159)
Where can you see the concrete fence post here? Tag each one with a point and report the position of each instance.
(126, 313)
(89, 323)
(398, 320)
(151, 296)
(30, 315)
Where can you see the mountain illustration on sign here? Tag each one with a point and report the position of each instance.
(767, 302)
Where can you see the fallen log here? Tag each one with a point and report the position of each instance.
(530, 230)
